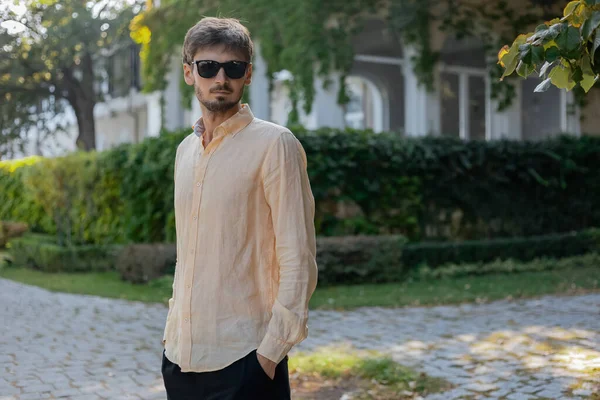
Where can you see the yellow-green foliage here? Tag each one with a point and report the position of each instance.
(71, 196)
(16, 203)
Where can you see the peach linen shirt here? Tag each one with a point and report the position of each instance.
(246, 248)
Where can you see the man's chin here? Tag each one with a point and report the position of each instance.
(220, 105)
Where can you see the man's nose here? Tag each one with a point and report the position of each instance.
(221, 76)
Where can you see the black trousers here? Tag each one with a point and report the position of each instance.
(243, 380)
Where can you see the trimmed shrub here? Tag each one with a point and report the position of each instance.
(373, 259)
(42, 253)
(360, 259)
(141, 263)
(10, 230)
(522, 249)
(450, 271)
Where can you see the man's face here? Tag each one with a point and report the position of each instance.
(220, 92)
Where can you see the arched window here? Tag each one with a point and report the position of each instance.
(365, 108)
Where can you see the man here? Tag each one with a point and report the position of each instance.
(244, 215)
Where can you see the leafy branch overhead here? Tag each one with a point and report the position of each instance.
(564, 50)
(312, 38)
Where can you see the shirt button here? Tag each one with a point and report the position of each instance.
(195, 217)
(198, 184)
(186, 320)
(189, 286)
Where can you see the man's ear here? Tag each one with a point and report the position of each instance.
(248, 80)
(188, 74)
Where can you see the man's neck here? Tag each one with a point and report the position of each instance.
(212, 120)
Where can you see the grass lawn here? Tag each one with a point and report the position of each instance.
(417, 293)
(329, 373)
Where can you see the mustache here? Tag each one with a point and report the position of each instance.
(224, 87)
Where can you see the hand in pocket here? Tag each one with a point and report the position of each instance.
(267, 366)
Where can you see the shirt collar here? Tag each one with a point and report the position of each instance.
(231, 126)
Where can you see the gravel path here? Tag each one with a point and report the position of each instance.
(56, 345)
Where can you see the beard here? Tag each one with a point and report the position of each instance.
(221, 104)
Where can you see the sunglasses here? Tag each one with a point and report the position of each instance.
(210, 69)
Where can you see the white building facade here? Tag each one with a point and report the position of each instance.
(384, 91)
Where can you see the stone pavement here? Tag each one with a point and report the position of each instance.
(55, 345)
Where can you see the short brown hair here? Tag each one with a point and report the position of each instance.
(212, 31)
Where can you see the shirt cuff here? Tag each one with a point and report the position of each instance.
(274, 349)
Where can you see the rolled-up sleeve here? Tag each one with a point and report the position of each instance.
(288, 193)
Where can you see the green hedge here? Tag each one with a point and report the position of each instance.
(376, 259)
(364, 183)
(522, 249)
(41, 252)
(451, 271)
(141, 263)
(16, 202)
(360, 259)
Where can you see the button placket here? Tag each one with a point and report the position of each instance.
(186, 328)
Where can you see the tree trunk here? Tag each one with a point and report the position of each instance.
(82, 98)
(84, 111)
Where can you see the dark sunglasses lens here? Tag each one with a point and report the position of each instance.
(234, 69)
(208, 69)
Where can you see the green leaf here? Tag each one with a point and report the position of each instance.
(537, 177)
(590, 25)
(544, 68)
(577, 75)
(568, 40)
(522, 38)
(537, 55)
(589, 78)
(592, 2)
(542, 87)
(569, 8)
(552, 54)
(588, 81)
(595, 45)
(524, 69)
(546, 35)
(552, 21)
(525, 53)
(510, 60)
(542, 27)
(560, 77)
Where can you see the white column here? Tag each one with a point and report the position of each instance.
(421, 108)
(194, 113)
(174, 112)
(326, 110)
(153, 117)
(570, 114)
(434, 106)
(507, 124)
(573, 115)
(260, 101)
(489, 108)
(463, 107)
